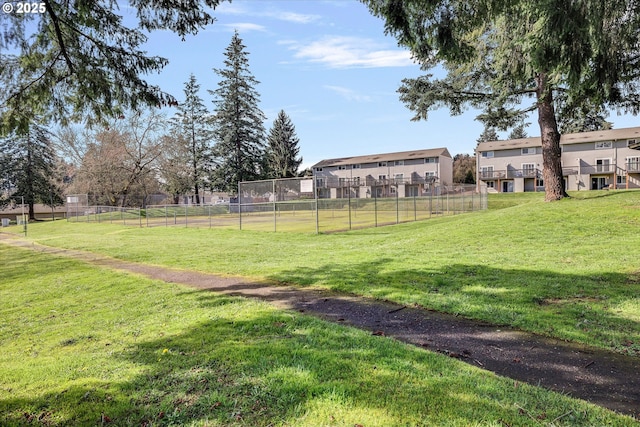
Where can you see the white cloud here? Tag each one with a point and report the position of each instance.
(238, 9)
(245, 27)
(350, 52)
(348, 94)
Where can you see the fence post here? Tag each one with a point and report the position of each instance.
(315, 195)
(275, 219)
(397, 205)
(240, 205)
(349, 202)
(186, 216)
(375, 204)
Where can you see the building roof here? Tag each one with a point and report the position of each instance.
(384, 157)
(570, 138)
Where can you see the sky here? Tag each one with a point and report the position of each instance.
(331, 68)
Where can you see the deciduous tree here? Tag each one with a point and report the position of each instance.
(121, 161)
(498, 54)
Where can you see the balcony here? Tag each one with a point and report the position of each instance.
(633, 167)
(598, 169)
(523, 173)
(489, 175)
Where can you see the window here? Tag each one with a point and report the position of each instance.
(621, 180)
(342, 168)
(487, 154)
(382, 164)
(356, 166)
(342, 182)
(602, 145)
(319, 182)
(632, 142)
(431, 160)
(491, 184)
(382, 177)
(355, 180)
(392, 190)
(318, 169)
(399, 163)
(399, 177)
(526, 151)
(430, 176)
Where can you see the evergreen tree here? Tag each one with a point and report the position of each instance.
(497, 54)
(192, 130)
(238, 129)
(74, 57)
(283, 149)
(518, 132)
(488, 134)
(585, 119)
(28, 166)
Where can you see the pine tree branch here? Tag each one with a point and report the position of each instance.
(56, 26)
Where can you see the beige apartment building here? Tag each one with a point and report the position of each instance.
(402, 174)
(590, 161)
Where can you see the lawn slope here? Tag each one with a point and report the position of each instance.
(569, 269)
(88, 346)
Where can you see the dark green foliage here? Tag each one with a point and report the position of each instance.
(518, 132)
(488, 134)
(237, 122)
(79, 58)
(283, 149)
(192, 136)
(28, 165)
(498, 54)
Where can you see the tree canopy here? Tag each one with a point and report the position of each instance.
(79, 59)
(513, 57)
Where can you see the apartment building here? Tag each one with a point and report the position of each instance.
(401, 174)
(590, 161)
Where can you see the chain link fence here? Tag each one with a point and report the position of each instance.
(299, 205)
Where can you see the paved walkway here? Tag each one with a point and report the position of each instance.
(604, 378)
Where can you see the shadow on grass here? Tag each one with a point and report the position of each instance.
(252, 365)
(582, 308)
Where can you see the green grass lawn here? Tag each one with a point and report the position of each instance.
(569, 269)
(83, 345)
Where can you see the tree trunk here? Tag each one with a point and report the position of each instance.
(551, 153)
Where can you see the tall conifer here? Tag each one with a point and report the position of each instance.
(283, 151)
(238, 121)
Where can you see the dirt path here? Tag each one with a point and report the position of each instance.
(604, 378)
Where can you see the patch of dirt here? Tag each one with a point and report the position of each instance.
(607, 379)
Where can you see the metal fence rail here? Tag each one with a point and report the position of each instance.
(295, 205)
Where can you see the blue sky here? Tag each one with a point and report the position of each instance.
(330, 67)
